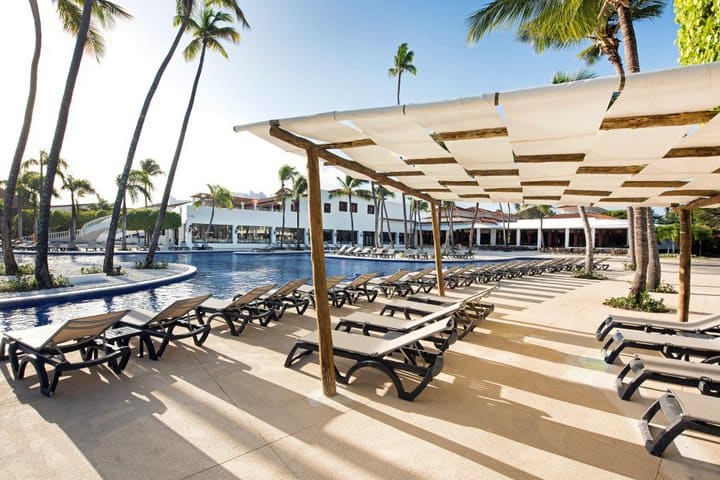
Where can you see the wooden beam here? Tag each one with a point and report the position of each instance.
(435, 213)
(545, 183)
(406, 173)
(470, 134)
(509, 172)
(459, 183)
(504, 189)
(589, 193)
(430, 161)
(662, 120)
(623, 200)
(703, 202)
(317, 254)
(617, 170)
(473, 195)
(332, 159)
(654, 183)
(550, 158)
(364, 142)
(690, 193)
(435, 190)
(684, 273)
(693, 152)
(542, 197)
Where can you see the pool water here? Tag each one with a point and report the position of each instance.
(221, 274)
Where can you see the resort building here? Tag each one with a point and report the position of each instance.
(258, 223)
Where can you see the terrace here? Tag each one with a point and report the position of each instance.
(525, 396)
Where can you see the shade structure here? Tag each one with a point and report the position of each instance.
(649, 139)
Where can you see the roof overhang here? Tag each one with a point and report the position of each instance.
(650, 139)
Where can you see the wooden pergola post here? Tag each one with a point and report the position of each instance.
(684, 268)
(317, 254)
(435, 214)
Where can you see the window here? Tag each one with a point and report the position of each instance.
(343, 206)
(346, 236)
(217, 233)
(353, 207)
(252, 234)
(294, 206)
(326, 208)
(289, 235)
(371, 209)
(327, 234)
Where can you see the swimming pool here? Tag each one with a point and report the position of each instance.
(222, 274)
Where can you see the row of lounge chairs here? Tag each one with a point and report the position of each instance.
(692, 358)
(374, 252)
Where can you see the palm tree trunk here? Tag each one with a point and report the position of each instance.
(502, 214)
(405, 229)
(207, 232)
(42, 270)
(377, 213)
(640, 280)
(542, 237)
(123, 245)
(387, 222)
(398, 87)
(120, 197)
(8, 255)
(420, 237)
(628, 34)
(282, 230)
(589, 240)
(472, 228)
(297, 222)
(631, 236)
(176, 159)
(352, 225)
(73, 221)
(20, 220)
(653, 272)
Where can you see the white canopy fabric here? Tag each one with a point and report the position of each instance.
(652, 140)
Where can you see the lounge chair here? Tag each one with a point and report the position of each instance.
(671, 346)
(162, 325)
(337, 298)
(709, 325)
(372, 322)
(391, 356)
(239, 311)
(702, 375)
(50, 344)
(284, 296)
(487, 307)
(393, 284)
(353, 289)
(684, 411)
(423, 280)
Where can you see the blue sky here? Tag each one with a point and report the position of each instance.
(299, 58)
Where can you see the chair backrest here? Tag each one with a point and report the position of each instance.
(395, 276)
(333, 281)
(289, 287)
(411, 337)
(250, 296)
(363, 279)
(421, 273)
(178, 308)
(85, 327)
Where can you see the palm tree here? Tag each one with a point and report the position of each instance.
(350, 187)
(538, 211)
(208, 31)
(653, 271)
(472, 228)
(184, 10)
(219, 197)
(419, 206)
(382, 194)
(402, 63)
(68, 11)
(298, 189)
(285, 174)
(78, 188)
(42, 271)
(639, 283)
(135, 187)
(589, 240)
(149, 168)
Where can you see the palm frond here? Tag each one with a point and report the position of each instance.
(502, 15)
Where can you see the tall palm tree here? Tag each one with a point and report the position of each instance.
(149, 168)
(135, 187)
(42, 270)
(402, 63)
(285, 174)
(653, 270)
(184, 10)
(419, 206)
(472, 228)
(208, 30)
(538, 211)
(78, 188)
(382, 195)
(350, 187)
(70, 17)
(219, 197)
(298, 189)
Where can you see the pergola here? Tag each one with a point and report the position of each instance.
(647, 139)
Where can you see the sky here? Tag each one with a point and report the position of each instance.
(298, 58)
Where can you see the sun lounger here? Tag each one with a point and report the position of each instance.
(50, 344)
(337, 298)
(684, 411)
(702, 375)
(392, 284)
(162, 325)
(239, 311)
(708, 325)
(353, 289)
(284, 296)
(487, 307)
(424, 280)
(402, 354)
(671, 346)
(372, 322)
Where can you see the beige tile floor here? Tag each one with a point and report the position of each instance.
(525, 397)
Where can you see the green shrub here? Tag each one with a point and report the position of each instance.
(151, 266)
(665, 287)
(590, 276)
(23, 269)
(645, 303)
(90, 270)
(26, 283)
(628, 266)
